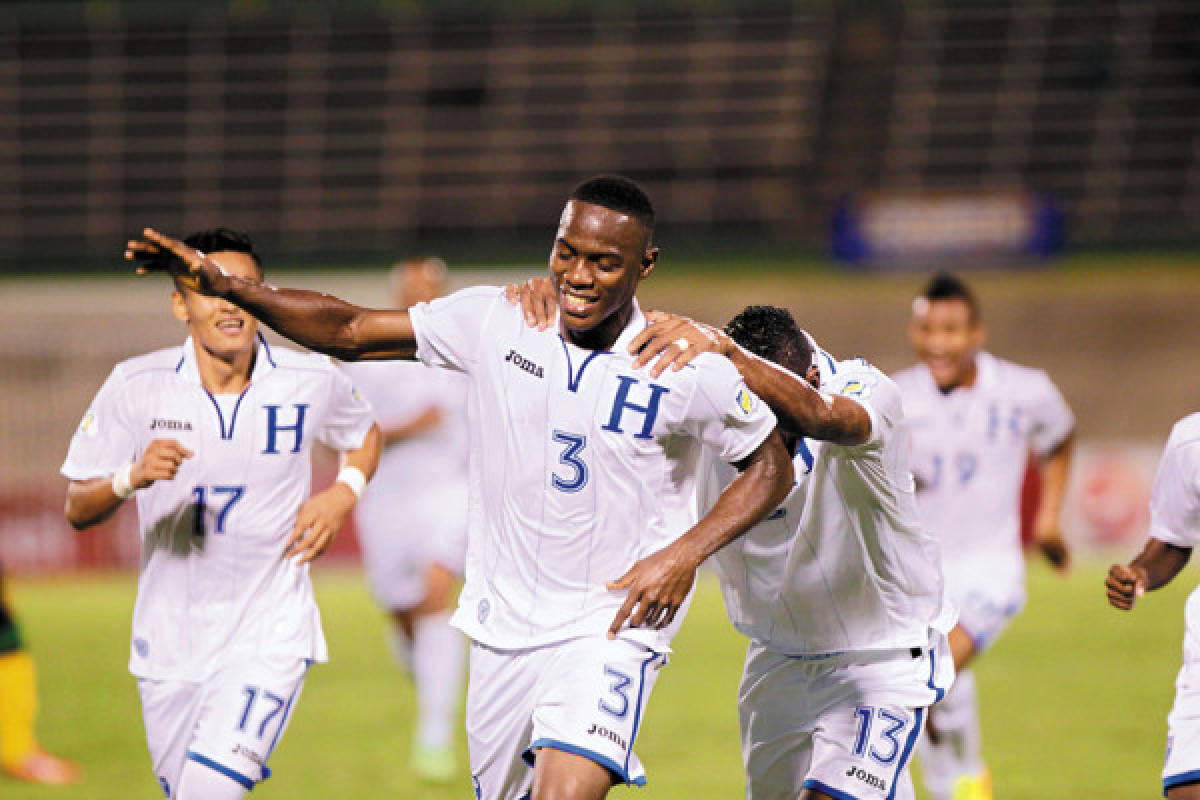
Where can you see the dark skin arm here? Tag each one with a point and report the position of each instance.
(802, 409)
(1153, 568)
(659, 583)
(315, 320)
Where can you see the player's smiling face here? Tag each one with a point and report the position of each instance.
(218, 326)
(599, 257)
(947, 339)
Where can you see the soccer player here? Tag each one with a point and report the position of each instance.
(20, 755)
(1174, 531)
(582, 513)
(214, 439)
(412, 521)
(840, 590)
(975, 420)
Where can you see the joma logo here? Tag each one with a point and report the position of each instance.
(612, 736)
(524, 363)
(873, 781)
(170, 425)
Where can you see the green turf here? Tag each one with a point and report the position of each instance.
(1074, 698)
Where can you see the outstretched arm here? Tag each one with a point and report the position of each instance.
(659, 583)
(315, 320)
(674, 341)
(1154, 567)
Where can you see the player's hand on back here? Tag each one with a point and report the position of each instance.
(537, 300)
(160, 462)
(1124, 585)
(673, 341)
(657, 586)
(318, 521)
(156, 252)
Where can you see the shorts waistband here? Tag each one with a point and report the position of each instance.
(840, 658)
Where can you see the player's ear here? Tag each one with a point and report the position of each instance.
(179, 307)
(649, 259)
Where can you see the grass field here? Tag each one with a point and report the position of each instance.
(1074, 698)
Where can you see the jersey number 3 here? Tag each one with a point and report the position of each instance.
(576, 468)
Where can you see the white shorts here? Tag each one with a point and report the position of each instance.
(986, 604)
(844, 729)
(1182, 763)
(403, 534)
(585, 696)
(231, 723)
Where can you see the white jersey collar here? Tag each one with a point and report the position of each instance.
(190, 371)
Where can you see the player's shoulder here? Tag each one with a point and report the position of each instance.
(166, 361)
(1013, 376)
(857, 377)
(297, 360)
(1185, 432)
(708, 369)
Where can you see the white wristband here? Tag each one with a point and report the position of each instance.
(121, 485)
(354, 478)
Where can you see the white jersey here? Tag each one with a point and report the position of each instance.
(580, 465)
(970, 450)
(1175, 499)
(214, 585)
(844, 564)
(399, 391)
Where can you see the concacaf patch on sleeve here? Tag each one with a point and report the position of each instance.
(746, 401)
(856, 387)
(88, 425)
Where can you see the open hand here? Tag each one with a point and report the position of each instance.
(674, 341)
(537, 300)
(657, 586)
(317, 523)
(156, 252)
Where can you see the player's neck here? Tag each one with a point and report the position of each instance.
(603, 335)
(966, 380)
(221, 375)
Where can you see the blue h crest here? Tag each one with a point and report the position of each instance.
(273, 428)
(621, 402)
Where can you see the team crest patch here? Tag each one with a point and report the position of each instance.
(746, 401)
(88, 425)
(855, 387)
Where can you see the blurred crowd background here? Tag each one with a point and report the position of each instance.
(825, 155)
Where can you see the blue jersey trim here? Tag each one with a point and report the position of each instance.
(284, 719)
(908, 748)
(938, 691)
(829, 360)
(574, 378)
(824, 788)
(804, 453)
(267, 349)
(637, 710)
(590, 755)
(1171, 781)
(179, 366)
(226, 771)
(221, 417)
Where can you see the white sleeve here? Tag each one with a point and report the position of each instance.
(104, 440)
(725, 415)
(349, 416)
(878, 395)
(448, 329)
(1175, 500)
(1052, 419)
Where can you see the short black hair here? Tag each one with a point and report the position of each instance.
(944, 286)
(618, 193)
(217, 240)
(772, 333)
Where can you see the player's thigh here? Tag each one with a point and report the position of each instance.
(592, 700)
(776, 724)
(170, 711)
(863, 751)
(986, 607)
(499, 711)
(247, 707)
